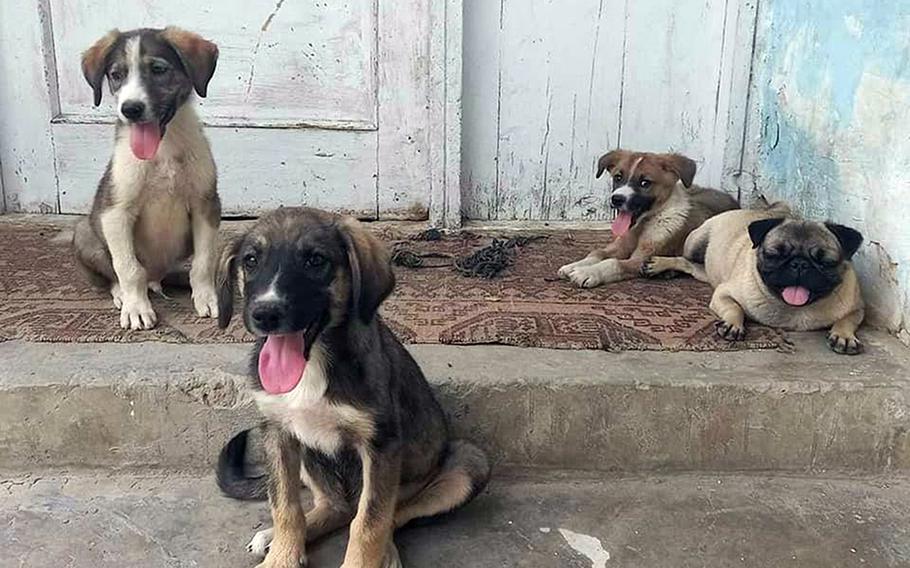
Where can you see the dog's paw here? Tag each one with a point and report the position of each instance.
(117, 295)
(137, 313)
(842, 345)
(259, 545)
(650, 268)
(586, 277)
(565, 271)
(729, 331)
(205, 301)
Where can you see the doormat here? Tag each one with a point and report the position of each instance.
(43, 298)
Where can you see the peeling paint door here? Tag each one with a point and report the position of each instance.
(328, 104)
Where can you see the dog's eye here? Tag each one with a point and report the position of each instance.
(117, 75)
(159, 68)
(644, 183)
(315, 260)
(250, 261)
(617, 177)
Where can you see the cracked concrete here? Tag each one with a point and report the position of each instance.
(525, 520)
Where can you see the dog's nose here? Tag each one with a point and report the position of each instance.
(617, 200)
(267, 317)
(799, 265)
(133, 110)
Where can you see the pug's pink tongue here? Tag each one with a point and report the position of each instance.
(621, 224)
(144, 140)
(795, 295)
(281, 363)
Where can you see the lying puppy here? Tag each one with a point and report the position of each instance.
(156, 203)
(778, 271)
(346, 407)
(656, 207)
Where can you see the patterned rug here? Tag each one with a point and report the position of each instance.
(43, 298)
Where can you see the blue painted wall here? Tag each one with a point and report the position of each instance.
(829, 128)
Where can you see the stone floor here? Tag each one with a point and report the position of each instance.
(526, 519)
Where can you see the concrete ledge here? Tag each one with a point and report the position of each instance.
(173, 406)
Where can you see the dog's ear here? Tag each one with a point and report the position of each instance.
(95, 62)
(225, 281)
(198, 56)
(849, 239)
(372, 278)
(758, 230)
(608, 161)
(683, 167)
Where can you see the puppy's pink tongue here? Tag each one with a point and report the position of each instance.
(795, 295)
(621, 224)
(281, 363)
(144, 140)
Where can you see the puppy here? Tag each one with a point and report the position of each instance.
(656, 207)
(157, 202)
(778, 271)
(346, 408)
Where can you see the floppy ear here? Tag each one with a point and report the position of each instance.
(225, 281)
(608, 161)
(849, 239)
(372, 278)
(683, 167)
(95, 60)
(758, 230)
(198, 56)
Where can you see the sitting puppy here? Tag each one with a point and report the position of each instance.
(778, 271)
(656, 208)
(346, 407)
(156, 204)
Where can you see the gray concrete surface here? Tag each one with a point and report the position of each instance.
(669, 521)
(173, 406)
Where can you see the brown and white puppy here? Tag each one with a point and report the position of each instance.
(346, 407)
(777, 270)
(157, 202)
(656, 208)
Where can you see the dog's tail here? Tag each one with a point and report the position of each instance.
(232, 475)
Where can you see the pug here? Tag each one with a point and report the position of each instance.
(776, 269)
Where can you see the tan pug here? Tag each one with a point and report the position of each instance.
(778, 270)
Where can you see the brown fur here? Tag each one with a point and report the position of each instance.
(673, 213)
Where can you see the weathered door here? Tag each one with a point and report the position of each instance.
(338, 105)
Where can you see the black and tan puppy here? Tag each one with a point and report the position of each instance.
(157, 201)
(778, 271)
(656, 206)
(346, 408)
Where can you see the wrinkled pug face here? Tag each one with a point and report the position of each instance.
(301, 272)
(802, 261)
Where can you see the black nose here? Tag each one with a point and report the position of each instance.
(267, 317)
(799, 265)
(133, 110)
(617, 200)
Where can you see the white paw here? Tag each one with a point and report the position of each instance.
(205, 301)
(117, 295)
(586, 277)
(137, 313)
(260, 543)
(566, 271)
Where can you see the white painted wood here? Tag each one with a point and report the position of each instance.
(445, 112)
(26, 140)
(324, 104)
(543, 99)
(257, 169)
(541, 108)
(280, 62)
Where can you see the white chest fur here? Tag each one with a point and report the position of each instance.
(669, 220)
(317, 422)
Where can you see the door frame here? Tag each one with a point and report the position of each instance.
(29, 105)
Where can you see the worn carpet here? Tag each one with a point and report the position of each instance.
(43, 298)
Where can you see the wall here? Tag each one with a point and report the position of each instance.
(550, 85)
(829, 128)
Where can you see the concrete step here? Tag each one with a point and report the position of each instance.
(167, 406)
(524, 521)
